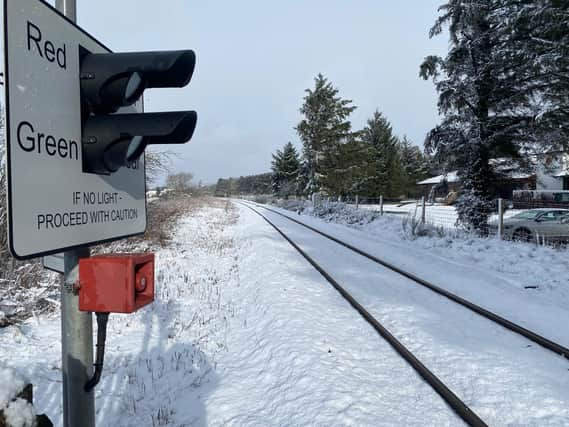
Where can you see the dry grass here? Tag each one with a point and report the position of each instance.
(26, 289)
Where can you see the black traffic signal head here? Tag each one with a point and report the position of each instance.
(110, 81)
(113, 80)
(112, 141)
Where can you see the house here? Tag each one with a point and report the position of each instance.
(510, 180)
(441, 185)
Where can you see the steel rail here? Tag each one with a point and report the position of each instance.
(526, 333)
(457, 405)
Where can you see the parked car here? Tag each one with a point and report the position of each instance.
(537, 224)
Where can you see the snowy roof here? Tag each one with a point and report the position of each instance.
(517, 175)
(453, 177)
(450, 177)
(561, 174)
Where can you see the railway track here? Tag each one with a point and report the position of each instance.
(457, 405)
(493, 317)
(454, 402)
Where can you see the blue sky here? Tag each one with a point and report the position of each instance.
(255, 58)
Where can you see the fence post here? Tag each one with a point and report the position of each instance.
(423, 210)
(381, 205)
(357, 201)
(500, 218)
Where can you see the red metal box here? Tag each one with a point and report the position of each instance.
(116, 283)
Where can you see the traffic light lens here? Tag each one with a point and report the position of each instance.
(135, 148)
(133, 87)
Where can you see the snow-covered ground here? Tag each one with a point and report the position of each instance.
(506, 379)
(526, 283)
(435, 214)
(244, 332)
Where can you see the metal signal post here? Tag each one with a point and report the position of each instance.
(76, 326)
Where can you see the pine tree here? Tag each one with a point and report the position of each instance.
(414, 165)
(276, 172)
(352, 168)
(540, 35)
(291, 168)
(324, 128)
(285, 169)
(503, 90)
(474, 100)
(382, 147)
(222, 188)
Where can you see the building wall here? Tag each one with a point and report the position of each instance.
(546, 181)
(545, 172)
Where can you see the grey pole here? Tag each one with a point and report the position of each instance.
(68, 8)
(76, 326)
(76, 348)
(500, 218)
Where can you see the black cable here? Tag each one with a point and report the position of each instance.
(102, 319)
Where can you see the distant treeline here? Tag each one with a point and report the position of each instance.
(250, 184)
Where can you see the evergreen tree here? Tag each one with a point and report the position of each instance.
(474, 99)
(285, 169)
(540, 36)
(352, 168)
(383, 151)
(414, 165)
(503, 90)
(276, 172)
(324, 128)
(222, 188)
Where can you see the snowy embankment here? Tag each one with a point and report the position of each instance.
(523, 282)
(239, 334)
(243, 332)
(504, 378)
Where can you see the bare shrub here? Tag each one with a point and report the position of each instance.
(180, 182)
(413, 227)
(157, 163)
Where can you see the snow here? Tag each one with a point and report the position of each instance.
(506, 379)
(17, 412)
(11, 384)
(498, 275)
(306, 357)
(435, 214)
(449, 177)
(244, 332)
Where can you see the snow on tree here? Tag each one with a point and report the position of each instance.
(474, 100)
(540, 35)
(276, 174)
(414, 165)
(503, 90)
(324, 128)
(285, 169)
(383, 150)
